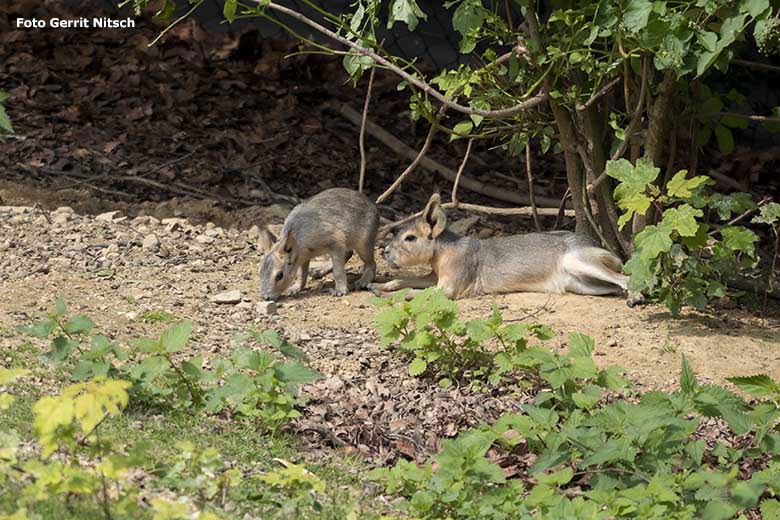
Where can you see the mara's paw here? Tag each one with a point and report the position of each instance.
(338, 292)
(635, 299)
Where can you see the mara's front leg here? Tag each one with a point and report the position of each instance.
(337, 257)
(415, 283)
(303, 274)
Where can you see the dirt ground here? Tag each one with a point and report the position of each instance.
(366, 402)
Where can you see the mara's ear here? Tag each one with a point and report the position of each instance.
(434, 215)
(266, 240)
(287, 247)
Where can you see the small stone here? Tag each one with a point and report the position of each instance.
(612, 342)
(65, 210)
(305, 337)
(485, 233)
(151, 242)
(227, 297)
(61, 218)
(20, 210)
(267, 308)
(132, 315)
(254, 232)
(109, 216)
(173, 224)
(204, 239)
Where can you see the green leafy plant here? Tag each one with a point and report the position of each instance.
(5, 121)
(254, 383)
(679, 260)
(615, 460)
(438, 342)
(428, 329)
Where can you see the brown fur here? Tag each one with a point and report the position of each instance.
(335, 222)
(555, 262)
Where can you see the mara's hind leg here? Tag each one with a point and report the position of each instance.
(369, 266)
(420, 282)
(594, 271)
(319, 268)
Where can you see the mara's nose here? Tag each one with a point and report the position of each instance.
(386, 252)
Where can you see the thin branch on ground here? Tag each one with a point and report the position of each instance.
(756, 65)
(525, 211)
(414, 80)
(529, 174)
(429, 164)
(460, 171)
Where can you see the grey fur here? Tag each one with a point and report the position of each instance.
(335, 222)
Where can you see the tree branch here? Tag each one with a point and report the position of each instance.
(417, 82)
(529, 174)
(460, 171)
(362, 138)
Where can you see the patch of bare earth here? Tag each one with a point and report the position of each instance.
(109, 268)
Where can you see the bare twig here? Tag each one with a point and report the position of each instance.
(429, 164)
(362, 138)
(598, 95)
(635, 119)
(726, 180)
(185, 15)
(529, 173)
(742, 216)
(415, 162)
(751, 117)
(169, 163)
(756, 65)
(489, 210)
(414, 80)
(460, 171)
(560, 213)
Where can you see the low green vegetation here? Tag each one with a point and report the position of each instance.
(150, 432)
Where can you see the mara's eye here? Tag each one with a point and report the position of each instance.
(279, 276)
(410, 238)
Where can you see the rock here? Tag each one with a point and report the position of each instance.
(214, 231)
(462, 226)
(109, 216)
(151, 242)
(612, 342)
(65, 210)
(132, 315)
(485, 233)
(172, 224)
(20, 210)
(266, 308)
(227, 297)
(61, 218)
(204, 239)
(254, 232)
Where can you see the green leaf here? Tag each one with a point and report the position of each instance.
(464, 127)
(652, 241)
(417, 366)
(768, 214)
(175, 338)
(770, 509)
(467, 19)
(681, 188)
(5, 121)
(725, 139)
(683, 219)
(688, 381)
(39, 329)
(754, 8)
(296, 373)
(60, 307)
(580, 345)
(757, 385)
(738, 238)
(4, 96)
(406, 11)
(168, 8)
(636, 15)
(229, 10)
(78, 324)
